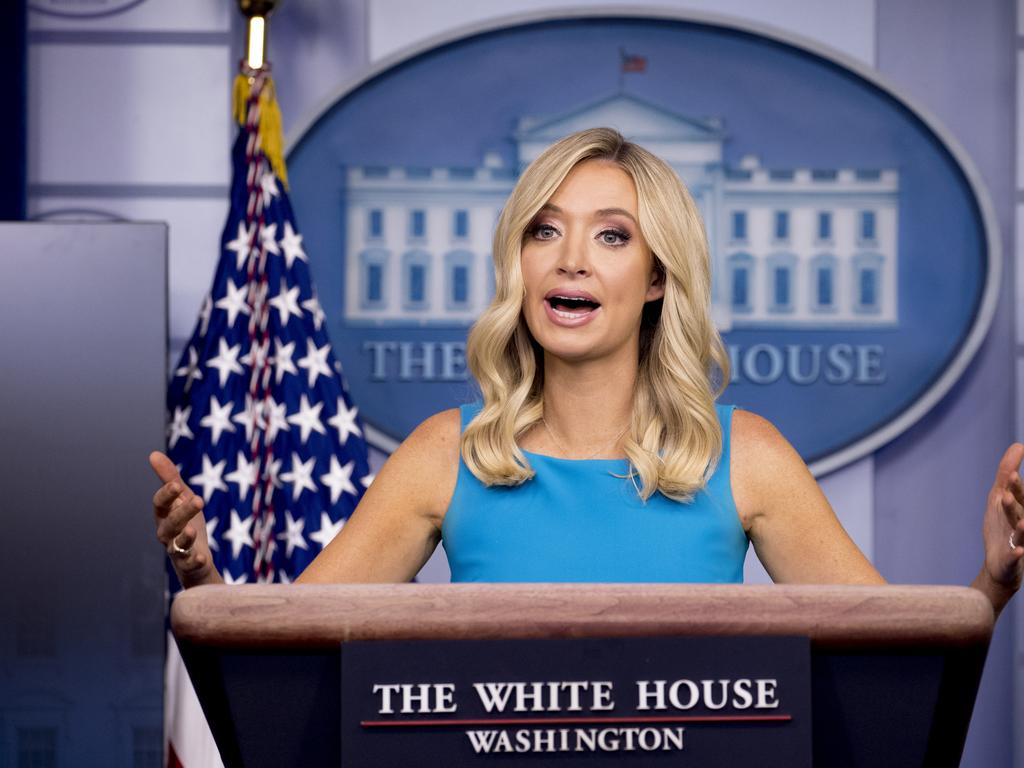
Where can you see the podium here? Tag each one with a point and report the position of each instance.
(894, 670)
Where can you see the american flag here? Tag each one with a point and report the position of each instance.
(260, 423)
(632, 62)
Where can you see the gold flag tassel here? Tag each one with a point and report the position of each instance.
(271, 135)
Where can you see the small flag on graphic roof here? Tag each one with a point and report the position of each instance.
(631, 62)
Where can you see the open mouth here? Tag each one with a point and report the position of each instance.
(572, 307)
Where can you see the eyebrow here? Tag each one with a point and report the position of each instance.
(598, 214)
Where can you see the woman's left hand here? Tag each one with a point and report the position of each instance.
(1003, 526)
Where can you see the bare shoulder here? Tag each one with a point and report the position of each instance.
(439, 433)
(762, 465)
(426, 465)
(759, 445)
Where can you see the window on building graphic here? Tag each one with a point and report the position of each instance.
(781, 268)
(741, 268)
(867, 225)
(780, 278)
(417, 283)
(416, 280)
(460, 284)
(375, 223)
(37, 747)
(867, 272)
(741, 287)
(825, 287)
(824, 225)
(739, 225)
(373, 270)
(782, 225)
(868, 288)
(823, 282)
(460, 225)
(375, 282)
(417, 223)
(459, 270)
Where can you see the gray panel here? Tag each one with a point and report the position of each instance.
(82, 378)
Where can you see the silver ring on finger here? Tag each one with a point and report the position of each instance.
(1012, 545)
(186, 551)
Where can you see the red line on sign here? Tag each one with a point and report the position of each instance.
(579, 720)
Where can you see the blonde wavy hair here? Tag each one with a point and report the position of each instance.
(674, 439)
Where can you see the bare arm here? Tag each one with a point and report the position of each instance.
(790, 522)
(398, 523)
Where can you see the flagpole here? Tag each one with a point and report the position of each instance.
(256, 12)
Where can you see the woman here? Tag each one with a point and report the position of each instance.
(598, 453)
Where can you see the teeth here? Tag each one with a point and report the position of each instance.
(570, 315)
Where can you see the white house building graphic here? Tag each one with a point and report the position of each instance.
(801, 247)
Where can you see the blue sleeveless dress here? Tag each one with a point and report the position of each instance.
(576, 521)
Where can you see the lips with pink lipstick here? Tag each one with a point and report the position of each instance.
(570, 307)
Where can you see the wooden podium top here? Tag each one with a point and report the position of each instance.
(278, 616)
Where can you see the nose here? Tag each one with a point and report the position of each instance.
(573, 258)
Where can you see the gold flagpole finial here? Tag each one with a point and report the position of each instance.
(256, 11)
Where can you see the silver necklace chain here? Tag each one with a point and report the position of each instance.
(565, 453)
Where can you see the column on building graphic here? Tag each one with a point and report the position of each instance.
(419, 242)
(805, 247)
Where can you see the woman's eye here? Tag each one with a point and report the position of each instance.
(614, 237)
(544, 232)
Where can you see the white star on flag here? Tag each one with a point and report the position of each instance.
(244, 475)
(328, 530)
(274, 418)
(339, 479)
(283, 359)
(367, 479)
(226, 361)
(293, 534)
(191, 369)
(268, 184)
(264, 531)
(241, 245)
(307, 419)
(210, 477)
(274, 473)
(256, 355)
(286, 302)
(211, 533)
(315, 361)
(291, 244)
(238, 533)
(229, 579)
(312, 305)
(301, 475)
(218, 420)
(248, 417)
(268, 239)
(345, 422)
(233, 302)
(204, 315)
(178, 427)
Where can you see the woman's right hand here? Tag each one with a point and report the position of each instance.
(180, 525)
